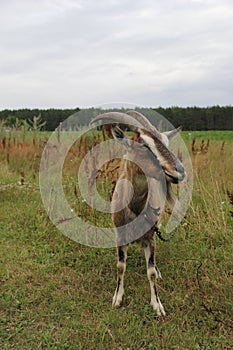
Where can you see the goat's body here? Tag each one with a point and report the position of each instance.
(133, 173)
(139, 197)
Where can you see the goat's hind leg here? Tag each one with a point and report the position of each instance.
(121, 267)
(153, 273)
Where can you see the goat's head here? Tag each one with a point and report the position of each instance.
(151, 147)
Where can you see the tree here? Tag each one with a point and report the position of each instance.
(36, 124)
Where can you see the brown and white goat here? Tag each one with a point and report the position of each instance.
(146, 173)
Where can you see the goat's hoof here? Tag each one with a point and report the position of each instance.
(116, 302)
(158, 307)
(116, 305)
(158, 273)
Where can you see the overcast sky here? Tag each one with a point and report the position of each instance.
(80, 53)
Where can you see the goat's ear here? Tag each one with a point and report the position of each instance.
(120, 136)
(172, 133)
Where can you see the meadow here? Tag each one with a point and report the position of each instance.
(57, 293)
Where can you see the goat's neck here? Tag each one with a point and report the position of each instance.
(137, 178)
(140, 186)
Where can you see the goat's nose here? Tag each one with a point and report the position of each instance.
(180, 171)
(181, 175)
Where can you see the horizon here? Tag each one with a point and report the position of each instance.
(101, 107)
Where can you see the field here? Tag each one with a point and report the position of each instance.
(56, 293)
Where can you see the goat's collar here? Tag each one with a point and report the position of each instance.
(152, 222)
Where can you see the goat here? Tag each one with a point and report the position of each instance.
(148, 167)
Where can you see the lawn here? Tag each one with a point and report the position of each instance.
(57, 293)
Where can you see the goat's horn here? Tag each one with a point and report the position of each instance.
(141, 119)
(145, 122)
(122, 118)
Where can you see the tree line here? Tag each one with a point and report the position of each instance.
(191, 118)
(200, 118)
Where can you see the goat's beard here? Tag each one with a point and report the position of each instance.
(160, 193)
(171, 197)
(157, 193)
(173, 202)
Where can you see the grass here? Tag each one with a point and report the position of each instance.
(56, 294)
(213, 135)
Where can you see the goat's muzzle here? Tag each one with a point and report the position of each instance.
(177, 175)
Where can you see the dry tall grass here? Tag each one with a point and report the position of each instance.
(212, 167)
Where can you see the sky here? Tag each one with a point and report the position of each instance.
(84, 53)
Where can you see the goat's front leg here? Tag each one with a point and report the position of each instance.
(121, 267)
(153, 273)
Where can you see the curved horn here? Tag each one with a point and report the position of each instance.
(145, 122)
(141, 119)
(118, 117)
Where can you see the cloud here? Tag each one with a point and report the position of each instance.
(66, 53)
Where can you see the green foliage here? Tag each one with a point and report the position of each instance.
(35, 124)
(200, 118)
(52, 117)
(10, 121)
(191, 118)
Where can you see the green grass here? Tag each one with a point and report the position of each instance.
(56, 294)
(213, 135)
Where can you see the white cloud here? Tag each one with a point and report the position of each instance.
(66, 53)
